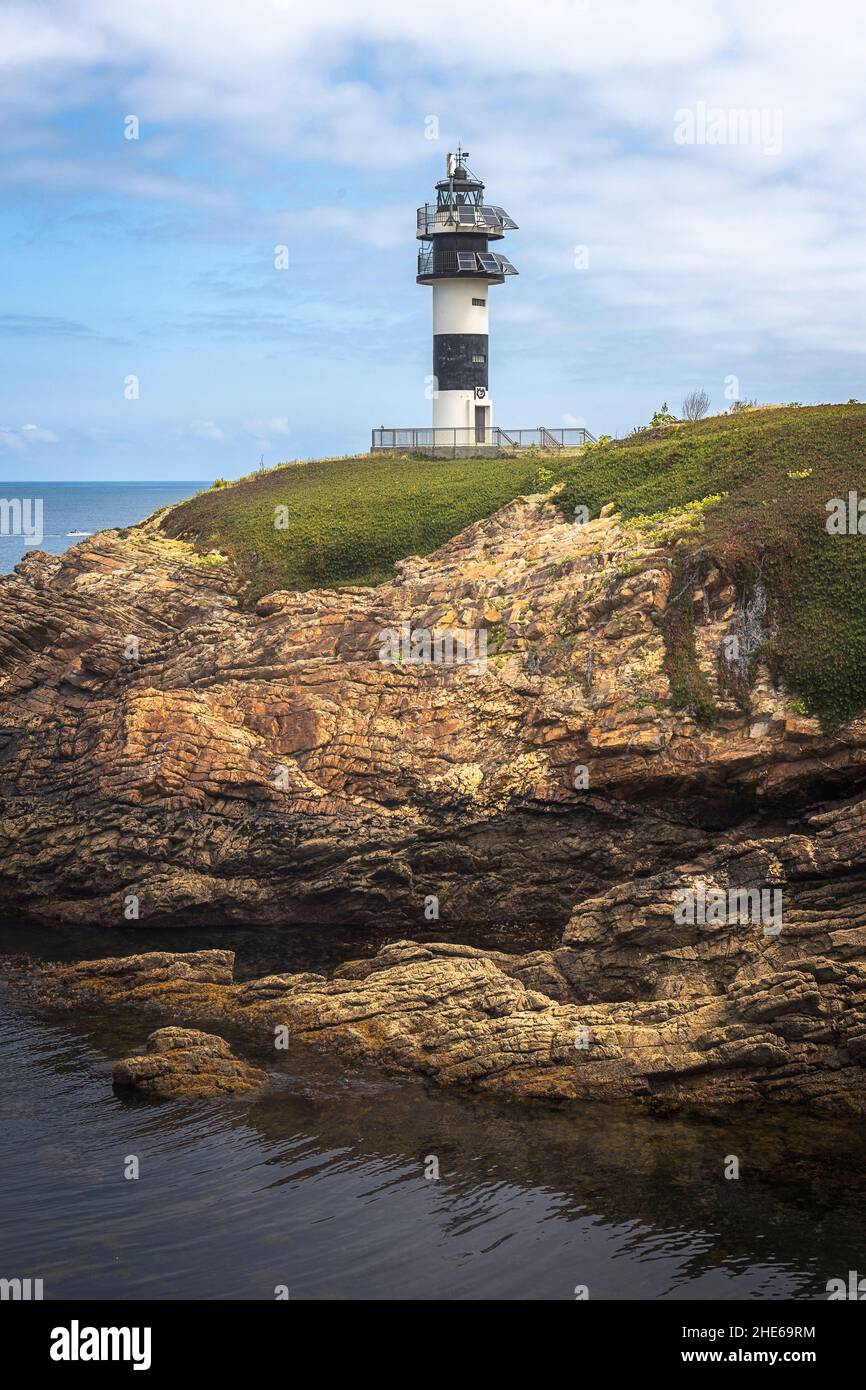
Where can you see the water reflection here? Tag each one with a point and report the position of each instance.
(320, 1185)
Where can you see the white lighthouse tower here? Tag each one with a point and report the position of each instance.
(454, 258)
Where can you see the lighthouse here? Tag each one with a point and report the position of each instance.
(455, 258)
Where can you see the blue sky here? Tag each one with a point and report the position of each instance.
(733, 261)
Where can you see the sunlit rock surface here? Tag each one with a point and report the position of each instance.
(267, 767)
(186, 1062)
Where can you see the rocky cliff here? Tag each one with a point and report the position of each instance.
(170, 756)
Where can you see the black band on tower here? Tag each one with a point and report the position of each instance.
(460, 361)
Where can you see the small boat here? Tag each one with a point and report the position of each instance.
(76, 532)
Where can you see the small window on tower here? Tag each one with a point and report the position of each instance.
(480, 302)
(478, 357)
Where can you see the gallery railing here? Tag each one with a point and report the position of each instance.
(458, 437)
(435, 261)
(433, 217)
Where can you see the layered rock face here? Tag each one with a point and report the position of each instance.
(701, 1020)
(267, 766)
(235, 766)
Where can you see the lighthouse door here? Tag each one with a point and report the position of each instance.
(480, 419)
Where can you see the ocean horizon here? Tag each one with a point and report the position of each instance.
(73, 510)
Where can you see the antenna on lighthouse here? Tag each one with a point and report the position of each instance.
(453, 162)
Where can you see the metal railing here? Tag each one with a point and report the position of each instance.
(463, 217)
(463, 437)
(435, 261)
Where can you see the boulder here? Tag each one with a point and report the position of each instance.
(186, 1062)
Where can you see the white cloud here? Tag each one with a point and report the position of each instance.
(34, 434)
(26, 436)
(207, 429)
(278, 426)
(261, 431)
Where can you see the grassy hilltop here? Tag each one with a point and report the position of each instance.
(350, 519)
(754, 485)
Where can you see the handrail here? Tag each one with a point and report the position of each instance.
(492, 220)
(491, 436)
(466, 263)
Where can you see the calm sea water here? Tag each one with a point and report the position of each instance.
(85, 507)
(321, 1184)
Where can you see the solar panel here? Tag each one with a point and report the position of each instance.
(506, 264)
(467, 215)
(505, 219)
(489, 217)
(465, 260)
(489, 263)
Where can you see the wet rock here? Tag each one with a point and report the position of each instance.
(186, 1062)
(631, 1004)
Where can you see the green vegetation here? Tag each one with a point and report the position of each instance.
(762, 479)
(346, 521)
(690, 686)
(663, 417)
(744, 492)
